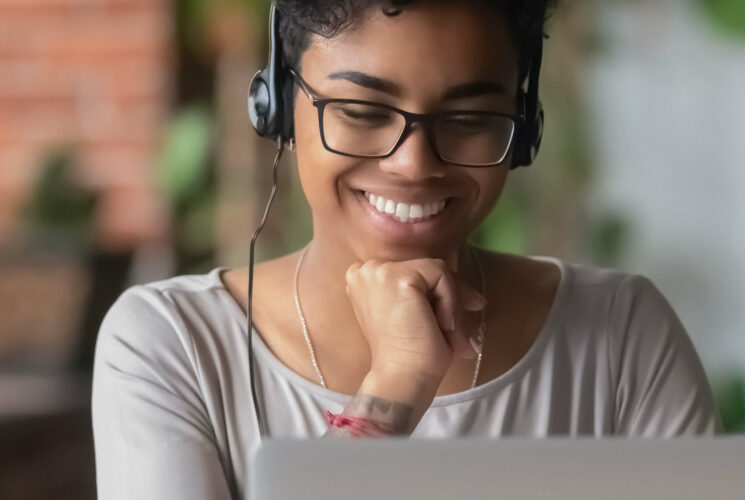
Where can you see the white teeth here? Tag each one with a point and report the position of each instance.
(415, 211)
(380, 205)
(390, 207)
(404, 211)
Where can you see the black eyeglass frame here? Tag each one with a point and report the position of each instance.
(426, 119)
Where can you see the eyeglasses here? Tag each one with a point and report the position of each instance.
(364, 129)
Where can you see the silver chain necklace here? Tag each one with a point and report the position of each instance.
(482, 326)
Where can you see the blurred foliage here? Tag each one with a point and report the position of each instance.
(180, 170)
(729, 15)
(609, 237)
(504, 229)
(729, 394)
(299, 225)
(190, 18)
(729, 391)
(185, 176)
(574, 148)
(59, 212)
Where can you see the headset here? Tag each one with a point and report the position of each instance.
(270, 111)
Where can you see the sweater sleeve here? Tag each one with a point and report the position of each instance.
(661, 389)
(153, 437)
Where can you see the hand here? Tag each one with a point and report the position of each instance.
(414, 314)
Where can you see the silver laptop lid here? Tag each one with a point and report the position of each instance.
(510, 468)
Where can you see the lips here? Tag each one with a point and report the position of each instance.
(423, 229)
(405, 212)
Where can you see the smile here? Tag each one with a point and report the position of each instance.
(407, 223)
(405, 212)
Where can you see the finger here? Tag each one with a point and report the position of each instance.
(438, 284)
(352, 271)
(433, 279)
(446, 304)
(471, 299)
(458, 339)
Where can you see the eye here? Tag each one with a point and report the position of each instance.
(360, 115)
(467, 124)
(472, 122)
(352, 114)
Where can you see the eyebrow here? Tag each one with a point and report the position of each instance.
(470, 89)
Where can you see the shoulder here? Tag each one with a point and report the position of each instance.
(154, 323)
(159, 345)
(160, 301)
(576, 287)
(642, 318)
(661, 388)
(152, 392)
(581, 304)
(273, 280)
(620, 308)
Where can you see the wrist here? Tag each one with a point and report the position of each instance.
(393, 402)
(389, 373)
(415, 389)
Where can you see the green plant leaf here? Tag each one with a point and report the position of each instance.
(181, 168)
(58, 208)
(729, 15)
(729, 394)
(504, 229)
(609, 237)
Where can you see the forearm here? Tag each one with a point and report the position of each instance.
(397, 402)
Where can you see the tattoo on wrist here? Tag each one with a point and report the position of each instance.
(392, 416)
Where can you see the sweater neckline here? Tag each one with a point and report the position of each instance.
(502, 380)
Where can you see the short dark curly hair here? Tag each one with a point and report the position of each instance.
(327, 18)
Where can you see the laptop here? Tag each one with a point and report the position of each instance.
(701, 468)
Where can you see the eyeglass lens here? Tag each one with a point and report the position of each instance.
(369, 130)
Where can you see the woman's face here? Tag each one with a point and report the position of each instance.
(423, 53)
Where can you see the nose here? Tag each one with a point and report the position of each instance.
(415, 157)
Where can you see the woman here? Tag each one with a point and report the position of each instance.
(396, 305)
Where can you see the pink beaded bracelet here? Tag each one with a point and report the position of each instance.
(358, 426)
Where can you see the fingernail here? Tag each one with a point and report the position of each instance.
(476, 302)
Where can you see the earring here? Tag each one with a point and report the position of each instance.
(291, 144)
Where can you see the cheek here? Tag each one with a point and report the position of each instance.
(309, 151)
(489, 185)
(305, 119)
(319, 170)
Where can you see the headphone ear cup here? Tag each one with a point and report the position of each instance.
(259, 105)
(528, 137)
(521, 135)
(288, 107)
(536, 133)
(265, 108)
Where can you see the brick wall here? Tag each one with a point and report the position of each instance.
(96, 74)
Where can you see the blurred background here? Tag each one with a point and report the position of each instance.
(126, 156)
